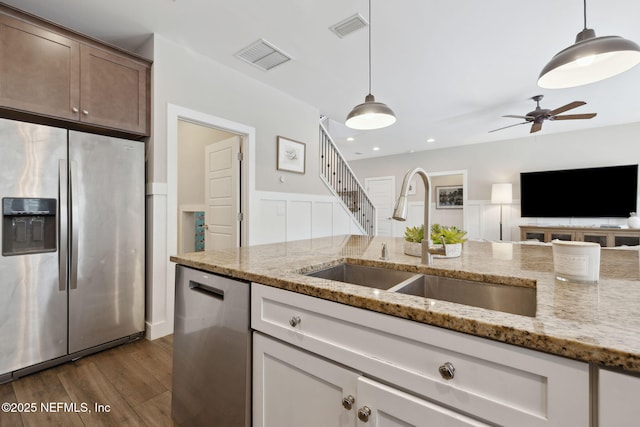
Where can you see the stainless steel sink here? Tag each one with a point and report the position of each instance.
(373, 277)
(507, 298)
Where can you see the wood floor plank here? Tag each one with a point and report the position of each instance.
(7, 395)
(157, 411)
(133, 379)
(130, 377)
(157, 359)
(85, 383)
(45, 390)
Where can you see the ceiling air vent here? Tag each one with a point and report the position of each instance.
(263, 55)
(349, 25)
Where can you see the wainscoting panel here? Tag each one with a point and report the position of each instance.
(285, 217)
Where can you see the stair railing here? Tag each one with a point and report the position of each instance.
(338, 176)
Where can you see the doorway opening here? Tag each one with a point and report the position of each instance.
(209, 187)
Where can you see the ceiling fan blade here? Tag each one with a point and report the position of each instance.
(536, 127)
(518, 117)
(510, 126)
(574, 116)
(570, 106)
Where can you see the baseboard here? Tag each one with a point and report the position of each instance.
(158, 330)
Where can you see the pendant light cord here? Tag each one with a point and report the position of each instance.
(585, 14)
(370, 46)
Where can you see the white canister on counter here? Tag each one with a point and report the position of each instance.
(633, 221)
(576, 262)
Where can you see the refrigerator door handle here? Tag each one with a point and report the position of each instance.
(73, 194)
(62, 224)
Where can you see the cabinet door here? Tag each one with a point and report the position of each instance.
(618, 399)
(113, 90)
(39, 70)
(292, 388)
(383, 406)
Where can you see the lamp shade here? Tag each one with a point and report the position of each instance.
(370, 115)
(589, 60)
(501, 193)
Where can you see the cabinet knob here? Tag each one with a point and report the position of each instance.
(364, 413)
(295, 321)
(75, 109)
(447, 371)
(85, 112)
(347, 402)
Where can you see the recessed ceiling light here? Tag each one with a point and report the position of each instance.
(431, 140)
(351, 139)
(376, 148)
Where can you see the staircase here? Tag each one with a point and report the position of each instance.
(341, 180)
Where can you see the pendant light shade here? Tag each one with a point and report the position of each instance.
(370, 114)
(589, 60)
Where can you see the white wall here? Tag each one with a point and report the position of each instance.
(181, 80)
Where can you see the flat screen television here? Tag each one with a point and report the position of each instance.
(602, 192)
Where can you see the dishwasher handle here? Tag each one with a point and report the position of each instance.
(206, 289)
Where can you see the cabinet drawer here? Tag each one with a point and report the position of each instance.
(496, 382)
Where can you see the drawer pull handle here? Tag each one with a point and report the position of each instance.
(447, 371)
(364, 413)
(347, 402)
(85, 112)
(295, 321)
(74, 109)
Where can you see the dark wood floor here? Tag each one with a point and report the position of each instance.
(134, 380)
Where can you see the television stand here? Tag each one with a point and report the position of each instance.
(605, 236)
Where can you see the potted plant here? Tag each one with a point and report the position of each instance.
(453, 239)
(412, 240)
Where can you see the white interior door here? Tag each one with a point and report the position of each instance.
(382, 192)
(222, 194)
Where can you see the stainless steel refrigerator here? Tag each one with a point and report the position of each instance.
(72, 263)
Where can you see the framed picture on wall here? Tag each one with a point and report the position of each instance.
(449, 197)
(291, 155)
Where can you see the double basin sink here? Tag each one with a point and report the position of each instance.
(501, 297)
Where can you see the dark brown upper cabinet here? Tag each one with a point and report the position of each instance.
(47, 73)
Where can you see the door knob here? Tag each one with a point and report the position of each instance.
(364, 413)
(295, 321)
(447, 371)
(347, 402)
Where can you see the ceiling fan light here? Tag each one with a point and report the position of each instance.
(589, 60)
(370, 115)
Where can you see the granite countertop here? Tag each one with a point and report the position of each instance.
(592, 323)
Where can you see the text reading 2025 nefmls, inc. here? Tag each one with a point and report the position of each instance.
(52, 407)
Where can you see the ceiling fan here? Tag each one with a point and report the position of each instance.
(539, 115)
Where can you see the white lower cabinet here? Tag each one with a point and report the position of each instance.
(618, 399)
(399, 372)
(293, 388)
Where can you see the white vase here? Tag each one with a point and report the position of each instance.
(633, 221)
(413, 248)
(452, 250)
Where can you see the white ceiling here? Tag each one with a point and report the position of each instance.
(449, 69)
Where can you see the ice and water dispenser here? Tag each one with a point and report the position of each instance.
(28, 225)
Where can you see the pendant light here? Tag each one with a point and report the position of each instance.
(370, 114)
(589, 60)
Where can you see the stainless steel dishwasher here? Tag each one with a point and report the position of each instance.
(211, 351)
